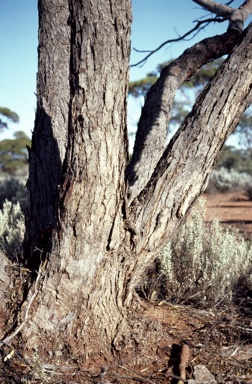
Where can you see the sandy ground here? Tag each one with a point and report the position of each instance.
(232, 209)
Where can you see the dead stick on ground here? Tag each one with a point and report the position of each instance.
(184, 358)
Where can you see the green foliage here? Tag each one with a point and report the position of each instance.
(202, 76)
(204, 262)
(13, 153)
(229, 158)
(141, 87)
(245, 130)
(13, 204)
(237, 159)
(5, 115)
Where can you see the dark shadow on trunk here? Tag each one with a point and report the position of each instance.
(45, 174)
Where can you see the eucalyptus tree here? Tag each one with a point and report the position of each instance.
(97, 220)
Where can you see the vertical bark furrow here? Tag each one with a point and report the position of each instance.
(49, 140)
(92, 191)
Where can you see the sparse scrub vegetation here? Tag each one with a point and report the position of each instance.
(204, 262)
(13, 190)
(12, 228)
(13, 204)
(224, 180)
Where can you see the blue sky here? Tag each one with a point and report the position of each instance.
(154, 21)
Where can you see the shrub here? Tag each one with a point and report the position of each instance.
(229, 180)
(204, 262)
(13, 190)
(12, 228)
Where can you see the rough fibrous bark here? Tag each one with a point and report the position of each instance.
(50, 136)
(96, 240)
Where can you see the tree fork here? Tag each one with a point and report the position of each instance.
(101, 243)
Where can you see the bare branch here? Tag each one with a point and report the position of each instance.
(237, 16)
(184, 358)
(201, 24)
(216, 8)
(241, 14)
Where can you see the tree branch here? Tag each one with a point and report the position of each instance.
(237, 16)
(201, 24)
(217, 8)
(183, 170)
(152, 128)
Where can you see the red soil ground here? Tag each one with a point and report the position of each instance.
(232, 209)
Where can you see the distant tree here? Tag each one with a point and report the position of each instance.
(244, 130)
(7, 115)
(234, 158)
(13, 153)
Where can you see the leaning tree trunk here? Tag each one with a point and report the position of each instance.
(94, 242)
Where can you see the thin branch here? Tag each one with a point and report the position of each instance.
(237, 16)
(197, 28)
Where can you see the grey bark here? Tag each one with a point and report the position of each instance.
(236, 16)
(152, 127)
(50, 136)
(6, 287)
(96, 242)
(89, 187)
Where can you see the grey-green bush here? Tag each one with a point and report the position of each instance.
(204, 262)
(225, 180)
(12, 229)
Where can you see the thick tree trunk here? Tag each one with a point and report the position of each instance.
(80, 137)
(94, 243)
